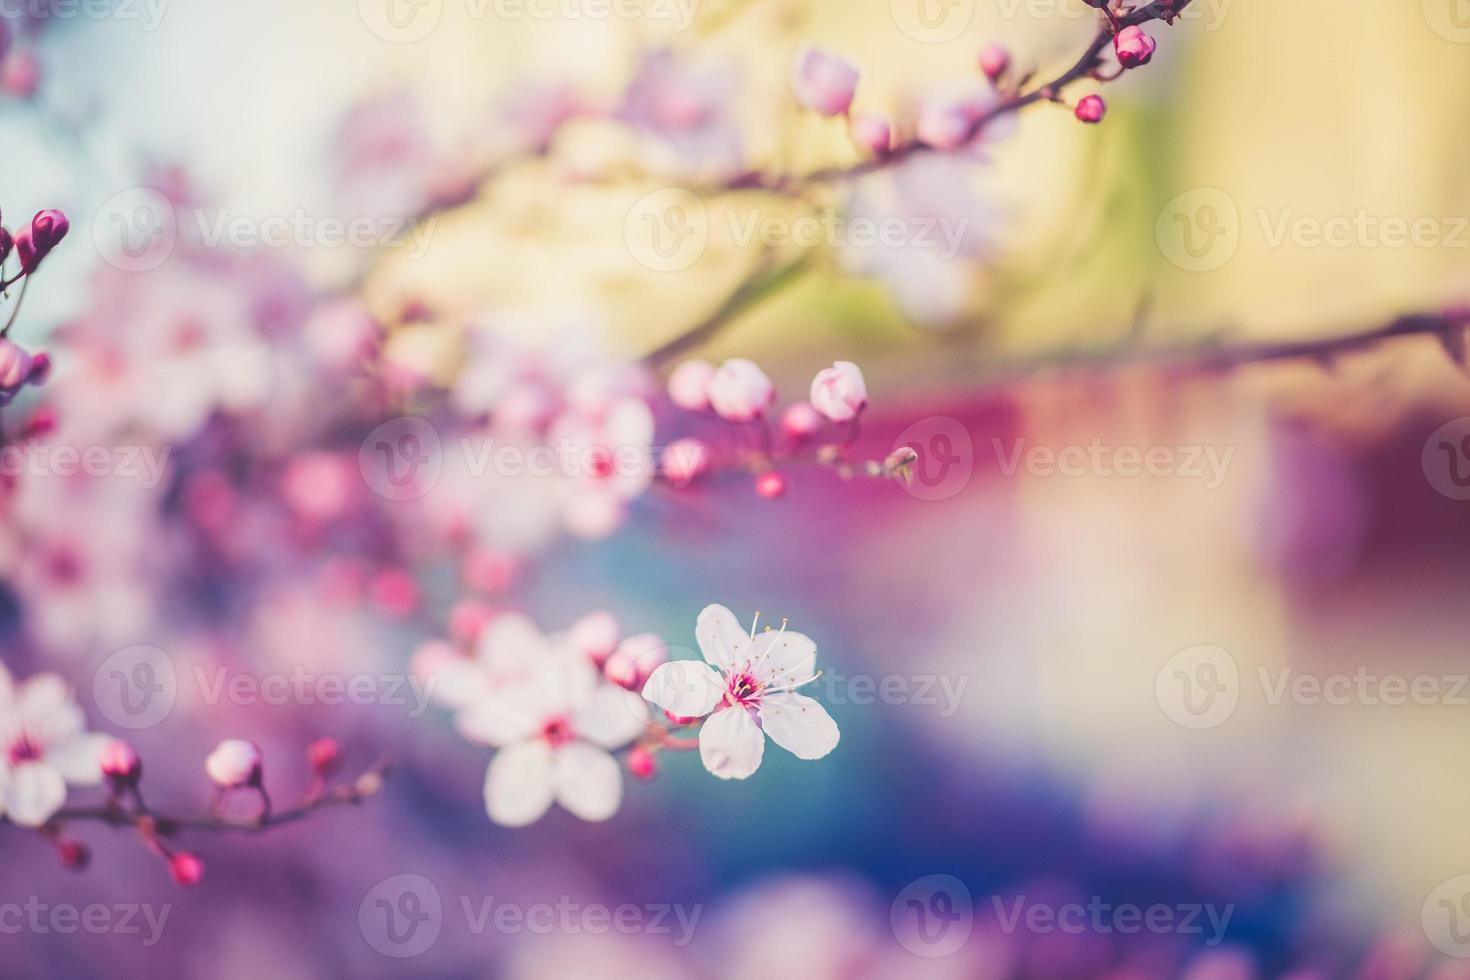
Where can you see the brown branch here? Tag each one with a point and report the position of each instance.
(146, 819)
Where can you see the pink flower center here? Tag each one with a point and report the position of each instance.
(745, 689)
(601, 463)
(23, 750)
(557, 732)
(63, 565)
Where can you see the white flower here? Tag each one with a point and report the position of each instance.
(234, 762)
(751, 692)
(839, 392)
(739, 391)
(553, 731)
(43, 747)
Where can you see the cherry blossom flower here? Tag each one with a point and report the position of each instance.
(823, 82)
(748, 690)
(44, 746)
(554, 732)
(685, 106)
(839, 391)
(234, 762)
(740, 391)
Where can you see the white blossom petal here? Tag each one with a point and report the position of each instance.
(500, 718)
(685, 687)
(519, 784)
(612, 717)
(731, 744)
(721, 639)
(78, 759)
(780, 658)
(46, 711)
(799, 725)
(33, 793)
(588, 782)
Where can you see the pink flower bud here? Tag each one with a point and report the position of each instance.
(839, 392)
(872, 133)
(635, 658)
(770, 485)
(740, 391)
(488, 571)
(7, 242)
(1091, 109)
(684, 460)
(641, 763)
(324, 754)
(46, 231)
(689, 385)
(944, 125)
(468, 619)
(15, 365)
(824, 82)
(394, 592)
(40, 368)
(595, 634)
(801, 422)
(74, 854)
(187, 868)
(995, 61)
(20, 74)
(234, 762)
(1134, 46)
(120, 763)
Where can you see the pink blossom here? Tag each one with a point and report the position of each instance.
(747, 688)
(770, 485)
(120, 763)
(684, 460)
(801, 421)
(689, 385)
(234, 762)
(1134, 46)
(839, 392)
(740, 391)
(15, 365)
(553, 733)
(1091, 109)
(34, 242)
(44, 746)
(944, 125)
(995, 61)
(596, 635)
(635, 658)
(187, 868)
(872, 133)
(20, 74)
(823, 82)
